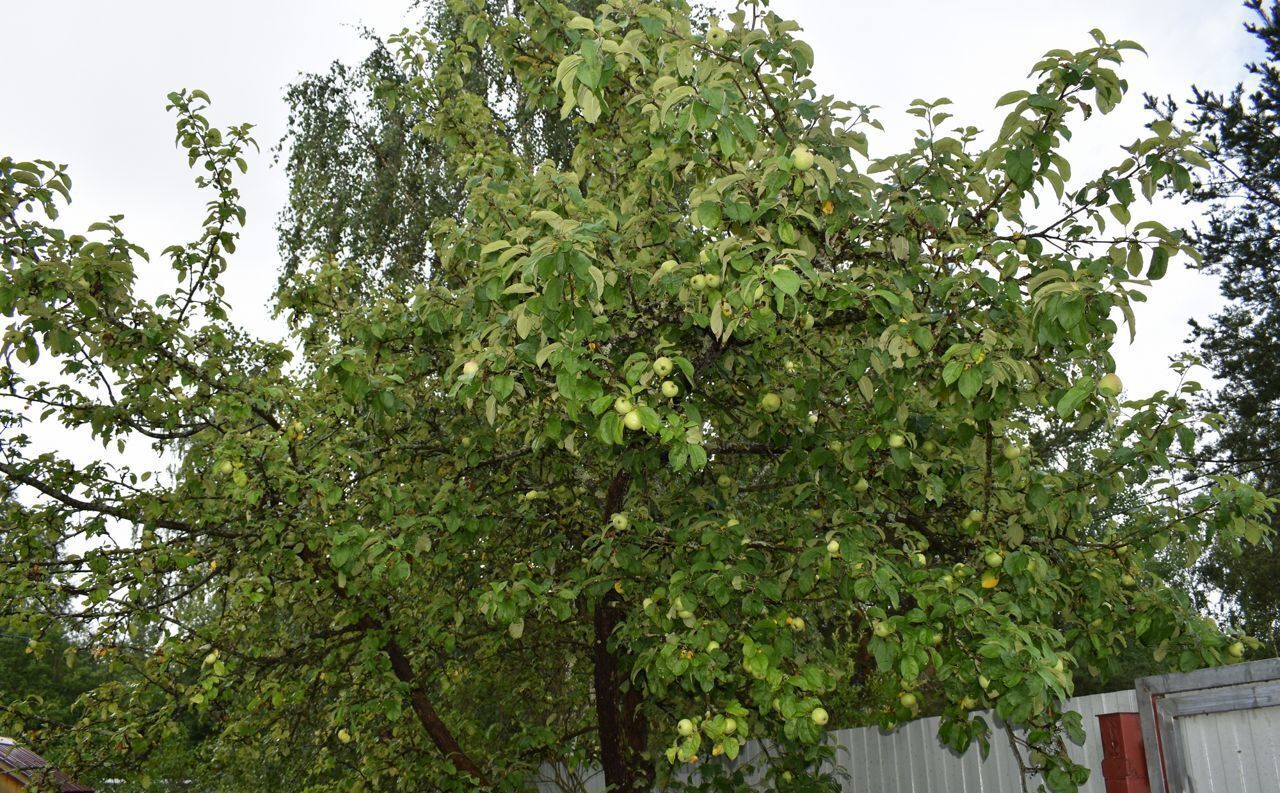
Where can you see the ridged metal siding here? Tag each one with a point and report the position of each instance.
(910, 759)
(1233, 752)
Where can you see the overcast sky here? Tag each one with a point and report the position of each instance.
(87, 81)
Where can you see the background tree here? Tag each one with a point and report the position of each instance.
(364, 186)
(1241, 195)
(682, 441)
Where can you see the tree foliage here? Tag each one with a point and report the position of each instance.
(364, 186)
(698, 437)
(1241, 193)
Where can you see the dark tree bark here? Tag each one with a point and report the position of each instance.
(623, 730)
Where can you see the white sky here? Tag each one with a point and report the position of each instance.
(87, 81)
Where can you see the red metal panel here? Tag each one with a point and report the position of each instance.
(1124, 762)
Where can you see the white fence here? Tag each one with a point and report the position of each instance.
(910, 759)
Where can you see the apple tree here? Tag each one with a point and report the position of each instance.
(719, 433)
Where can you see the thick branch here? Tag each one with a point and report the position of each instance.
(436, 728)
(86, 506)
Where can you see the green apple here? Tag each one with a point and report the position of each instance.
(662, 366)
(974, 516)
(226, 467)
(881, 629)
(344, 735)
(908, 700)
(861, 485)
(716, 36)
(1021, 244)
(920, 559)
(897, 440)
(623, 405)
(1110, 385)
(929, 447)
(1236, 650)
(770, 402)
(801, 158)
(670, 389)
(724, 480)
(797, 623)
(1011, 451)
(833, 547)
(698, 282)
(632, 420)
(712, 646)
(1128, 580)
(668, 266)
(619, 521)
(730, 726)
(936, 638)
(532, 495)
(684, 727)
(993, 559)
(470, 368)
(713, 281)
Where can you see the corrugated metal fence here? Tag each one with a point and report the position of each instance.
(910, 759)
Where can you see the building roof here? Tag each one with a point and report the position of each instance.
(20, 764)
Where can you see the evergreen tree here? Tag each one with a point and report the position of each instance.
(1240, 243)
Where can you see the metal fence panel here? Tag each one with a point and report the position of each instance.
(1234, 751)
(911, 760)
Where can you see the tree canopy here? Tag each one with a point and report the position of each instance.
(718, 430)
(1241, 194)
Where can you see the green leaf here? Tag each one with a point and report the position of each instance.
(786, 280)
(1011, 97)
(502, 386)
(589, 104)
(649, 418)
(709, 214)
(1019, 165)
(1159, 263)
(1077, 394)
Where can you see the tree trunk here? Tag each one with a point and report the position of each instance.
(623, 731)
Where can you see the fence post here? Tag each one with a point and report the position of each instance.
(1124, 763)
